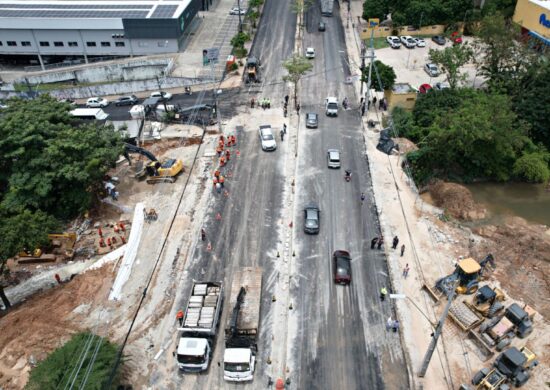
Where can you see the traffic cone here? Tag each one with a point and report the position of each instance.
(218, 216)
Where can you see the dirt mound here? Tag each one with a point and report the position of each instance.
(405, 145)
(522, 254)
(456, 200)
(32, 330)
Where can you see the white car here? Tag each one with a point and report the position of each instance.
(163, 96)
(394, 42)
(441, 86)
(331, 106)
(267, 139)
(310, 52)
(408, 41)
(235, 11)
(96, 102)
(420, 42)
(333, 158)
(432, 70)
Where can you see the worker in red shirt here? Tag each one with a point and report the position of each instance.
(179, 317)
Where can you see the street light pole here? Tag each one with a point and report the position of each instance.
(240, 20)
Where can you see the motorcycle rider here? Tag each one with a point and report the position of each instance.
(348, 175)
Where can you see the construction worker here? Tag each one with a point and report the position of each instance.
(227, 155)
(252, 103)
(222, 161)
(217, 173)
(233, 140)
(219, 151)
(215, 181)
(179, 317)
(222, 180)
(383, 293)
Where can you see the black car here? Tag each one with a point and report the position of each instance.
(322, 26)
(342, 267)
(311, 219)
(439, 39)
(126, 100)
(312, 120)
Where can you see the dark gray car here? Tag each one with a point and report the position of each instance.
(312, 219)
(312, 120)
(439, 39)
(126, 100)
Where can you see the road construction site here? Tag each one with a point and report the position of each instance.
(312, 334)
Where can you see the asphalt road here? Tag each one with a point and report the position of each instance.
(247, 233)
(342, 341)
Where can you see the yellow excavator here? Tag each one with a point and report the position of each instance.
(165, 171)
(59, 246)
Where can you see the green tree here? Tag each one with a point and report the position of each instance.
(240, 39)
(504, 60)
(450, 60)
(255, 3)
(479, 139)
(56, 371)
(25, 230)
(532, 100)
(533, 167)
(297, 66)
(299, 7)
(51, 164)
(386, 73)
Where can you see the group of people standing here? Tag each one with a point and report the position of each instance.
(224, 156)
(365, 106)
(379, 241)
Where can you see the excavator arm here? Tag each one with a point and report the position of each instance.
(129, 148)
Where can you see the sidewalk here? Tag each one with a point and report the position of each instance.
(397, 202)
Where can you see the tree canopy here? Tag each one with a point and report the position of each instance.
(416, 12)
(297, 66)
(451, 59)
(70, 363)
(50, 169)
(386, 73)
(467, 134)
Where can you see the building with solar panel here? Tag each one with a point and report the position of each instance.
(42, 31)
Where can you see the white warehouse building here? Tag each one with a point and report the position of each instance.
(42, 31)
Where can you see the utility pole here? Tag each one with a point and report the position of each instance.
(162, 96)
(439, 328)
(240, 20)
(370, 55)
(363, 50)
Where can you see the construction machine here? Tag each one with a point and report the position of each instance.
(252, 72)
(466, 276)
(60, 246)
(500, 330)
(510, 367)
(487, 301)
(165, 171)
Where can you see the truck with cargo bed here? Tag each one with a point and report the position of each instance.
(327, 7)
(199, 326)
(241, 332)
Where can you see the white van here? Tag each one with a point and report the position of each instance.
(331, 106)
(90, 113)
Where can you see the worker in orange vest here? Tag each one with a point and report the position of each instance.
(217, 173)
(221, 144)
(216, 181)
(233, 140)
(179, 317)
(222, 138)
(219, 151)
(222, 180)
(222, 161)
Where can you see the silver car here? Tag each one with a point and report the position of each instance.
(312, 120)
(267, 139)
(432, 70)
(333, 158)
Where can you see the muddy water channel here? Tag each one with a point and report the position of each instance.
(529, 201)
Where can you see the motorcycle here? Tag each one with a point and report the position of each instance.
(347, 176)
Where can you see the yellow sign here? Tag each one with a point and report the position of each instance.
(373, 22)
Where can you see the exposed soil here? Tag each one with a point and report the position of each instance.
(456, 200)
(34, 329)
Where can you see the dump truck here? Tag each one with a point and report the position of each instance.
(326, 7)
(242, 328)
(199, 326)
(512, 366)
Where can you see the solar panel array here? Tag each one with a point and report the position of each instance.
(107, 11)
(164, 11)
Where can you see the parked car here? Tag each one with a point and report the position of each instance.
(97, 102)
(394, 42)
(310, 52)
(312, 120)
(126, 100)
(267, 139)
(432, 70)
(235, 11)
(408, 41)
(457, 40)
(312, 219)
(333, 158)
(439, 39)
(331, 106)
(163, 96)
(322, 26)
(424, 88)
(420, 42)
(441, 86)
(342, 267)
